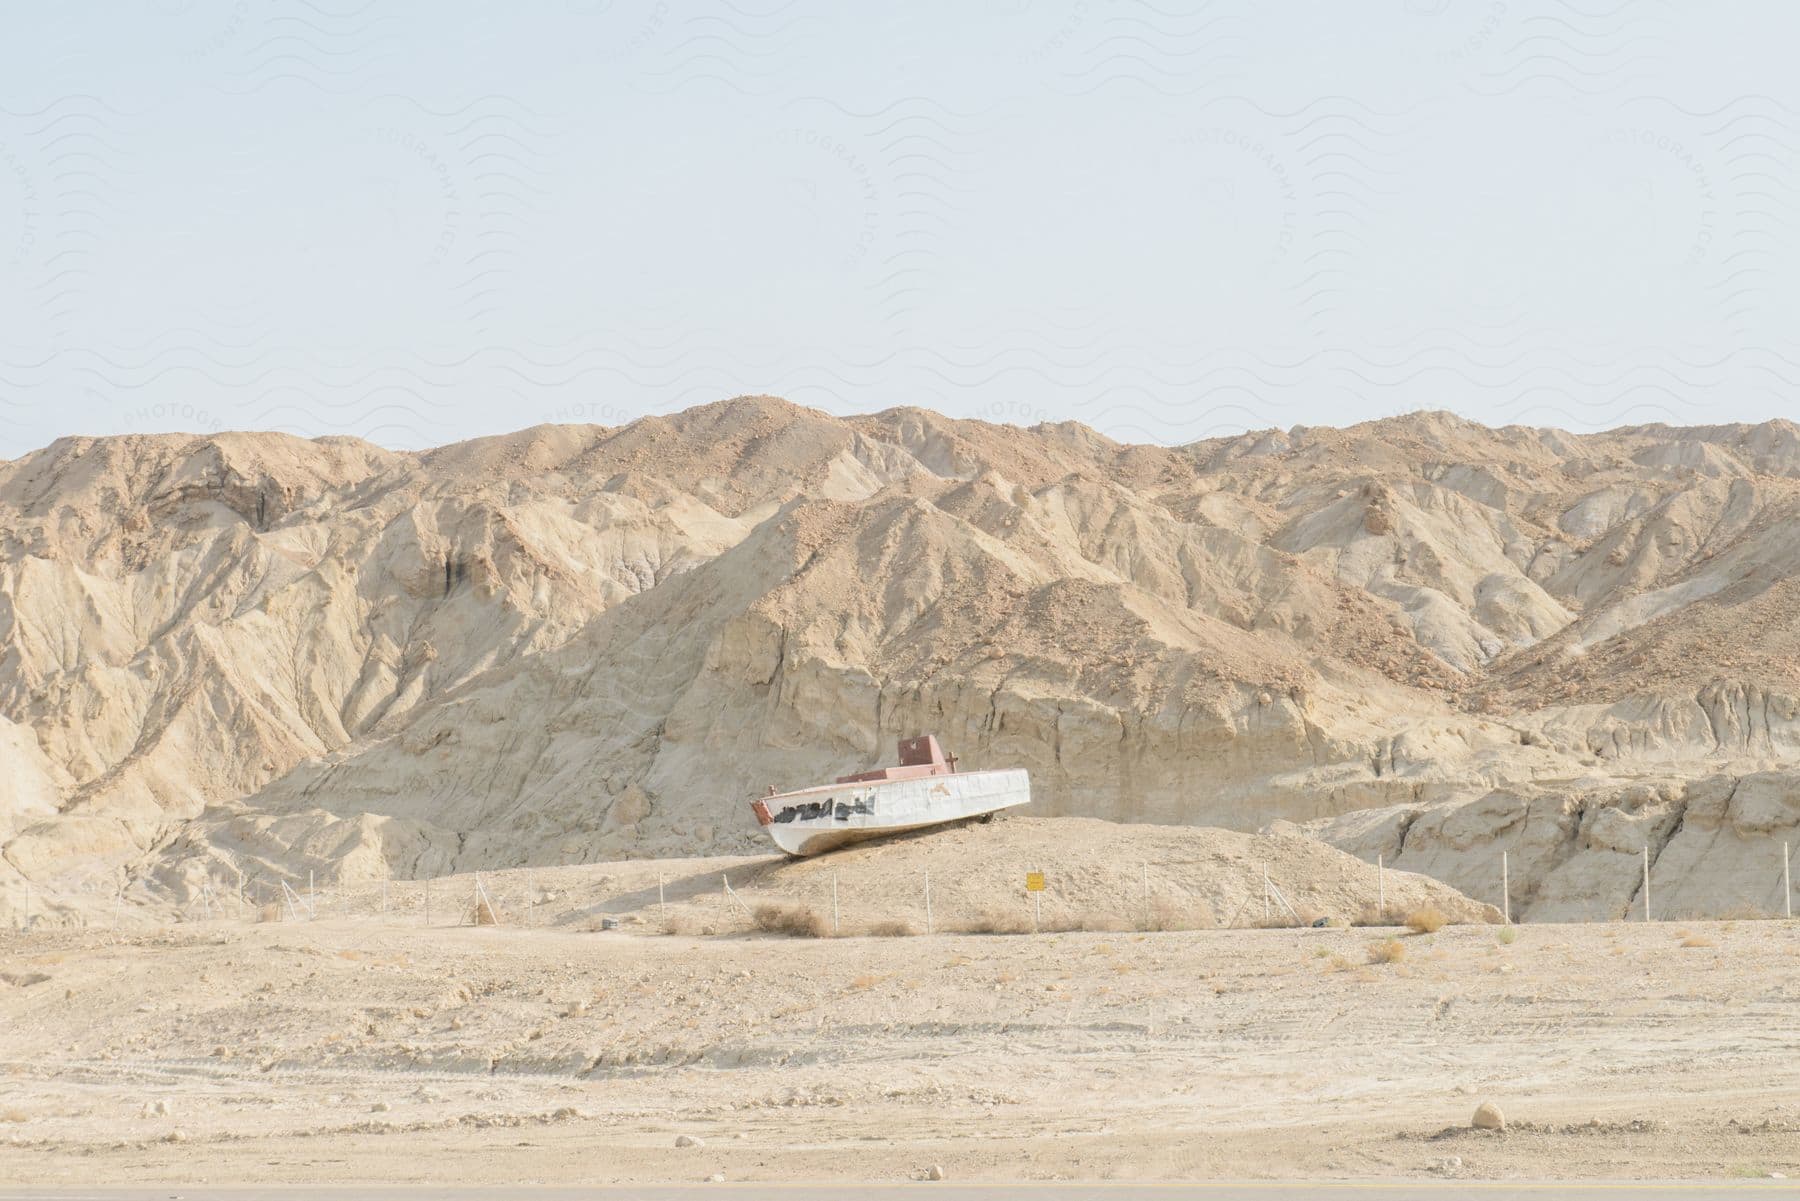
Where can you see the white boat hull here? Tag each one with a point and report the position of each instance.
(814, 820)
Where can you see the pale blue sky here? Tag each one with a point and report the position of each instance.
(416, 222)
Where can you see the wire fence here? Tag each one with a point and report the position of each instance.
(842, 901)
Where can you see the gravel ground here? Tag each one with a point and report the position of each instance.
(368, 1048)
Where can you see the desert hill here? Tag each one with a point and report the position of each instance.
(1425, 638)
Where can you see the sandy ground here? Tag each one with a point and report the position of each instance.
(370, 1047)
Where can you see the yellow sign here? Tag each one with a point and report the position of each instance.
(1034, 881)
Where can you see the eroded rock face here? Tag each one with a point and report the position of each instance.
(1576, 849)
(1428, 639)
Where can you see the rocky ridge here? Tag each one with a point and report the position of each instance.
(1420, 637)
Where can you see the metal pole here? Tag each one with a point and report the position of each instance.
(1646, 883)
(1265, 872)
(1505, 891)
(662, 909)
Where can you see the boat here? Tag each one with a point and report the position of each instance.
(924, 790)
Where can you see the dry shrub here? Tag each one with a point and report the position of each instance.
(1008, 921)
(1428, 920)
(269, 913)
(1166, 914)
(1104, 923)
(1275, 921)
(996, 921)
(1695, 940)
(1390, 950)
(1368, 915)
(1747, 913)
(483, 914)
(798, 921)
(683, 924)
(1508, 934)
(892, 928)
(1078, 923)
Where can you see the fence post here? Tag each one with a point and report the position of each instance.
(662, 909)
(1265, 872)
(482, 899)
(288, 895)
(1505, 891)
(1282, 897)
(732, 896)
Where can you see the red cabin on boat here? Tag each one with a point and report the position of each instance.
(921, 756)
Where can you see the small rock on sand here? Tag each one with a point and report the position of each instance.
(716, 1178)
(688, 1140)
(379, 1107)
(934, 1172)
(1488, 1117)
